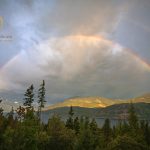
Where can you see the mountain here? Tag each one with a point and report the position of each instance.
(100, 108)
(96, 102)
(93, 107)
(144, 98)
(87, 102)
(114, 112)
(120, 111)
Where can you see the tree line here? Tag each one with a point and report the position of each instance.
(22, 129)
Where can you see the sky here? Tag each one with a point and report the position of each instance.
(80, 48)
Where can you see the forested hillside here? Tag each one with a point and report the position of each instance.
(23, 129)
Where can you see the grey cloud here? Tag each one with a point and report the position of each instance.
(55, 40)
(80, 66)
(133, 31)
(30, 22)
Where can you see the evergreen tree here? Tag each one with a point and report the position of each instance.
(21, 113)
(71, 112)
(61, 138)
(11, 117)
(96, 134)
(85, 140)
(147, 133)
(70, 122)
(43, 140)
(81, 123)
(125, 143)
(1, 112)
(2, 127)
(93, 126)
(29, 97)
(76, 125)
(121, 128)
(86, 122)
(41, 97)
(132, 118)
(1, 109)
(26, 133)
(106, 129)
(125, 128)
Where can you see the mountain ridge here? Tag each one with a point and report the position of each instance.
(97, 102)
(85, 102)
(114, 112)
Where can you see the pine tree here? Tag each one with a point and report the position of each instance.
(11, 117)
(61, 138)
(71, 113)
(132, 118)
(70, 122)
(86, 122)
(21, 113)
(93, 126)
(41, 97)
(125, 143)
(147, 133)
(86, 140)
(107, 130)
(76, 125)
(1, 110)
(29, 97)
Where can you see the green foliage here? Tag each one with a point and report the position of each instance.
(85, 135)
(86, 123)
(85, 140)
(133, 120)
(60, 137)
(41, 97)
(26, 132)
(29, 97)
(77, 125)
(42, 140)
(93, 126)
(125, 143)
(121, 128)
(1, 111)
(107, 132)
(71, 113)
(20, 113)
(146, 131)
(25, 137)
(70, 121)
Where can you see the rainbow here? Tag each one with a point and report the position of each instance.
(97, 38)
(143, 61)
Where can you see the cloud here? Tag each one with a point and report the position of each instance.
(78, 65)
(62, 42)
(33, 21)
(133, 30)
